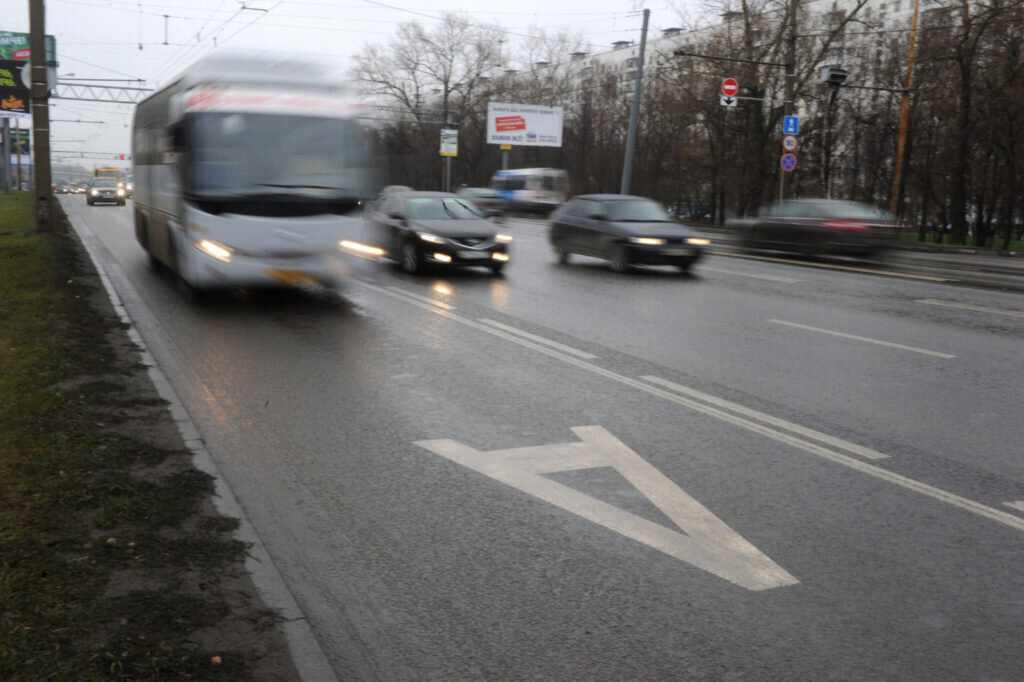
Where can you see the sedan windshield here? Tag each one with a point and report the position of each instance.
(634, 210)
(441, 208)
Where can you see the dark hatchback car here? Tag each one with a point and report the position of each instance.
(420, 229)
(487, 200)
(819, 227)
(626, 230)
(106, 190)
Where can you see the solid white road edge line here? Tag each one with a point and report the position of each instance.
(425, 299)
(968, 306)
(770, 278)
(854, 337)
(540, 339)
(308, 657)
(899, 480)
(853, 448)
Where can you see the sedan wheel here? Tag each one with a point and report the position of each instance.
(412, 262)
(617, 260)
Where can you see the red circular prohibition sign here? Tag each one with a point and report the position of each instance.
(788, 162)
(730, 87)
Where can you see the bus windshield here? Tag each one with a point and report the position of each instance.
(259, 154)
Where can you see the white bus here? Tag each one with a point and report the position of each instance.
(246, 173)
(532, 189)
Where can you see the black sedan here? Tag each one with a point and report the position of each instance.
(819, 226)
(420, 229)
(626, 230)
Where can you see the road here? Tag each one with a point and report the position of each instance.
(768, 470)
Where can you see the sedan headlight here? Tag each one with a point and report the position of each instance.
(647, 241)
(120, 192)
(698, 241)
(432, 238)
(94, 192)
(503, 238)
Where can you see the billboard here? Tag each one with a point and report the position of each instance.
(15, 46)
(527, 125)
(14, 95)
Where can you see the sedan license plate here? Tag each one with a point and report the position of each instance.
(474, 255)
(678, 252)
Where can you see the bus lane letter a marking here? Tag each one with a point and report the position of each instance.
(706, 542)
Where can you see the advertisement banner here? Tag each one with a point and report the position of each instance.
(527, 125)
(15, 46)
(449, 142)
(14, 95)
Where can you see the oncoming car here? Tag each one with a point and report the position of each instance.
(421, 229)
(106, 190)
(626, 230)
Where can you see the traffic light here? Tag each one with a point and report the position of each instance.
(122, 157)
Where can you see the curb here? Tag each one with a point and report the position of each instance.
(307, 655)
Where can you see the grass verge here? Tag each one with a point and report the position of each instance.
(113, 563)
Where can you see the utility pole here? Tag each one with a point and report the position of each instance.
(787, 105)
(901, 145)
(40, 116)
(634, 112)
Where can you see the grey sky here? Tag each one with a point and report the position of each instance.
(153, 40)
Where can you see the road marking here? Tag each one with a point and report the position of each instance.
(425, 299)
(706, 542)
(878, 342)
(962, 503)
(1018, 505)
(830, 266)
(853, 448)
(968, 306)
(540, 339)
(771, 278)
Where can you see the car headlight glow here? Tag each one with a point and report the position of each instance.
(698, 241)
(503, 238)
(432, 238)
(214, 250)
(442, 257)
(120, 192)
(647, 241)
(94, 192)
(501, 257)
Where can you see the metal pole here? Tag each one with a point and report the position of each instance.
(17, 127)
(40, 115)
(504, 159)
(5, 148)
(787, 105)
(634, 113)
(901, 145)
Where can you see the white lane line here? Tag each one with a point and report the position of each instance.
(962, 503)
(771, 278)
(425, 299)
(1018, 505)
(830, 266)
(852, 448)
(878, 342)
(968, 306)
(540, 339)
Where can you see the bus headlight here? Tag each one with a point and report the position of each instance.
(214, 250)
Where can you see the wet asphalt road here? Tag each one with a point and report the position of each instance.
(779, 470)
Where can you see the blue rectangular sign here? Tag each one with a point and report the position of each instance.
(791, 125)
